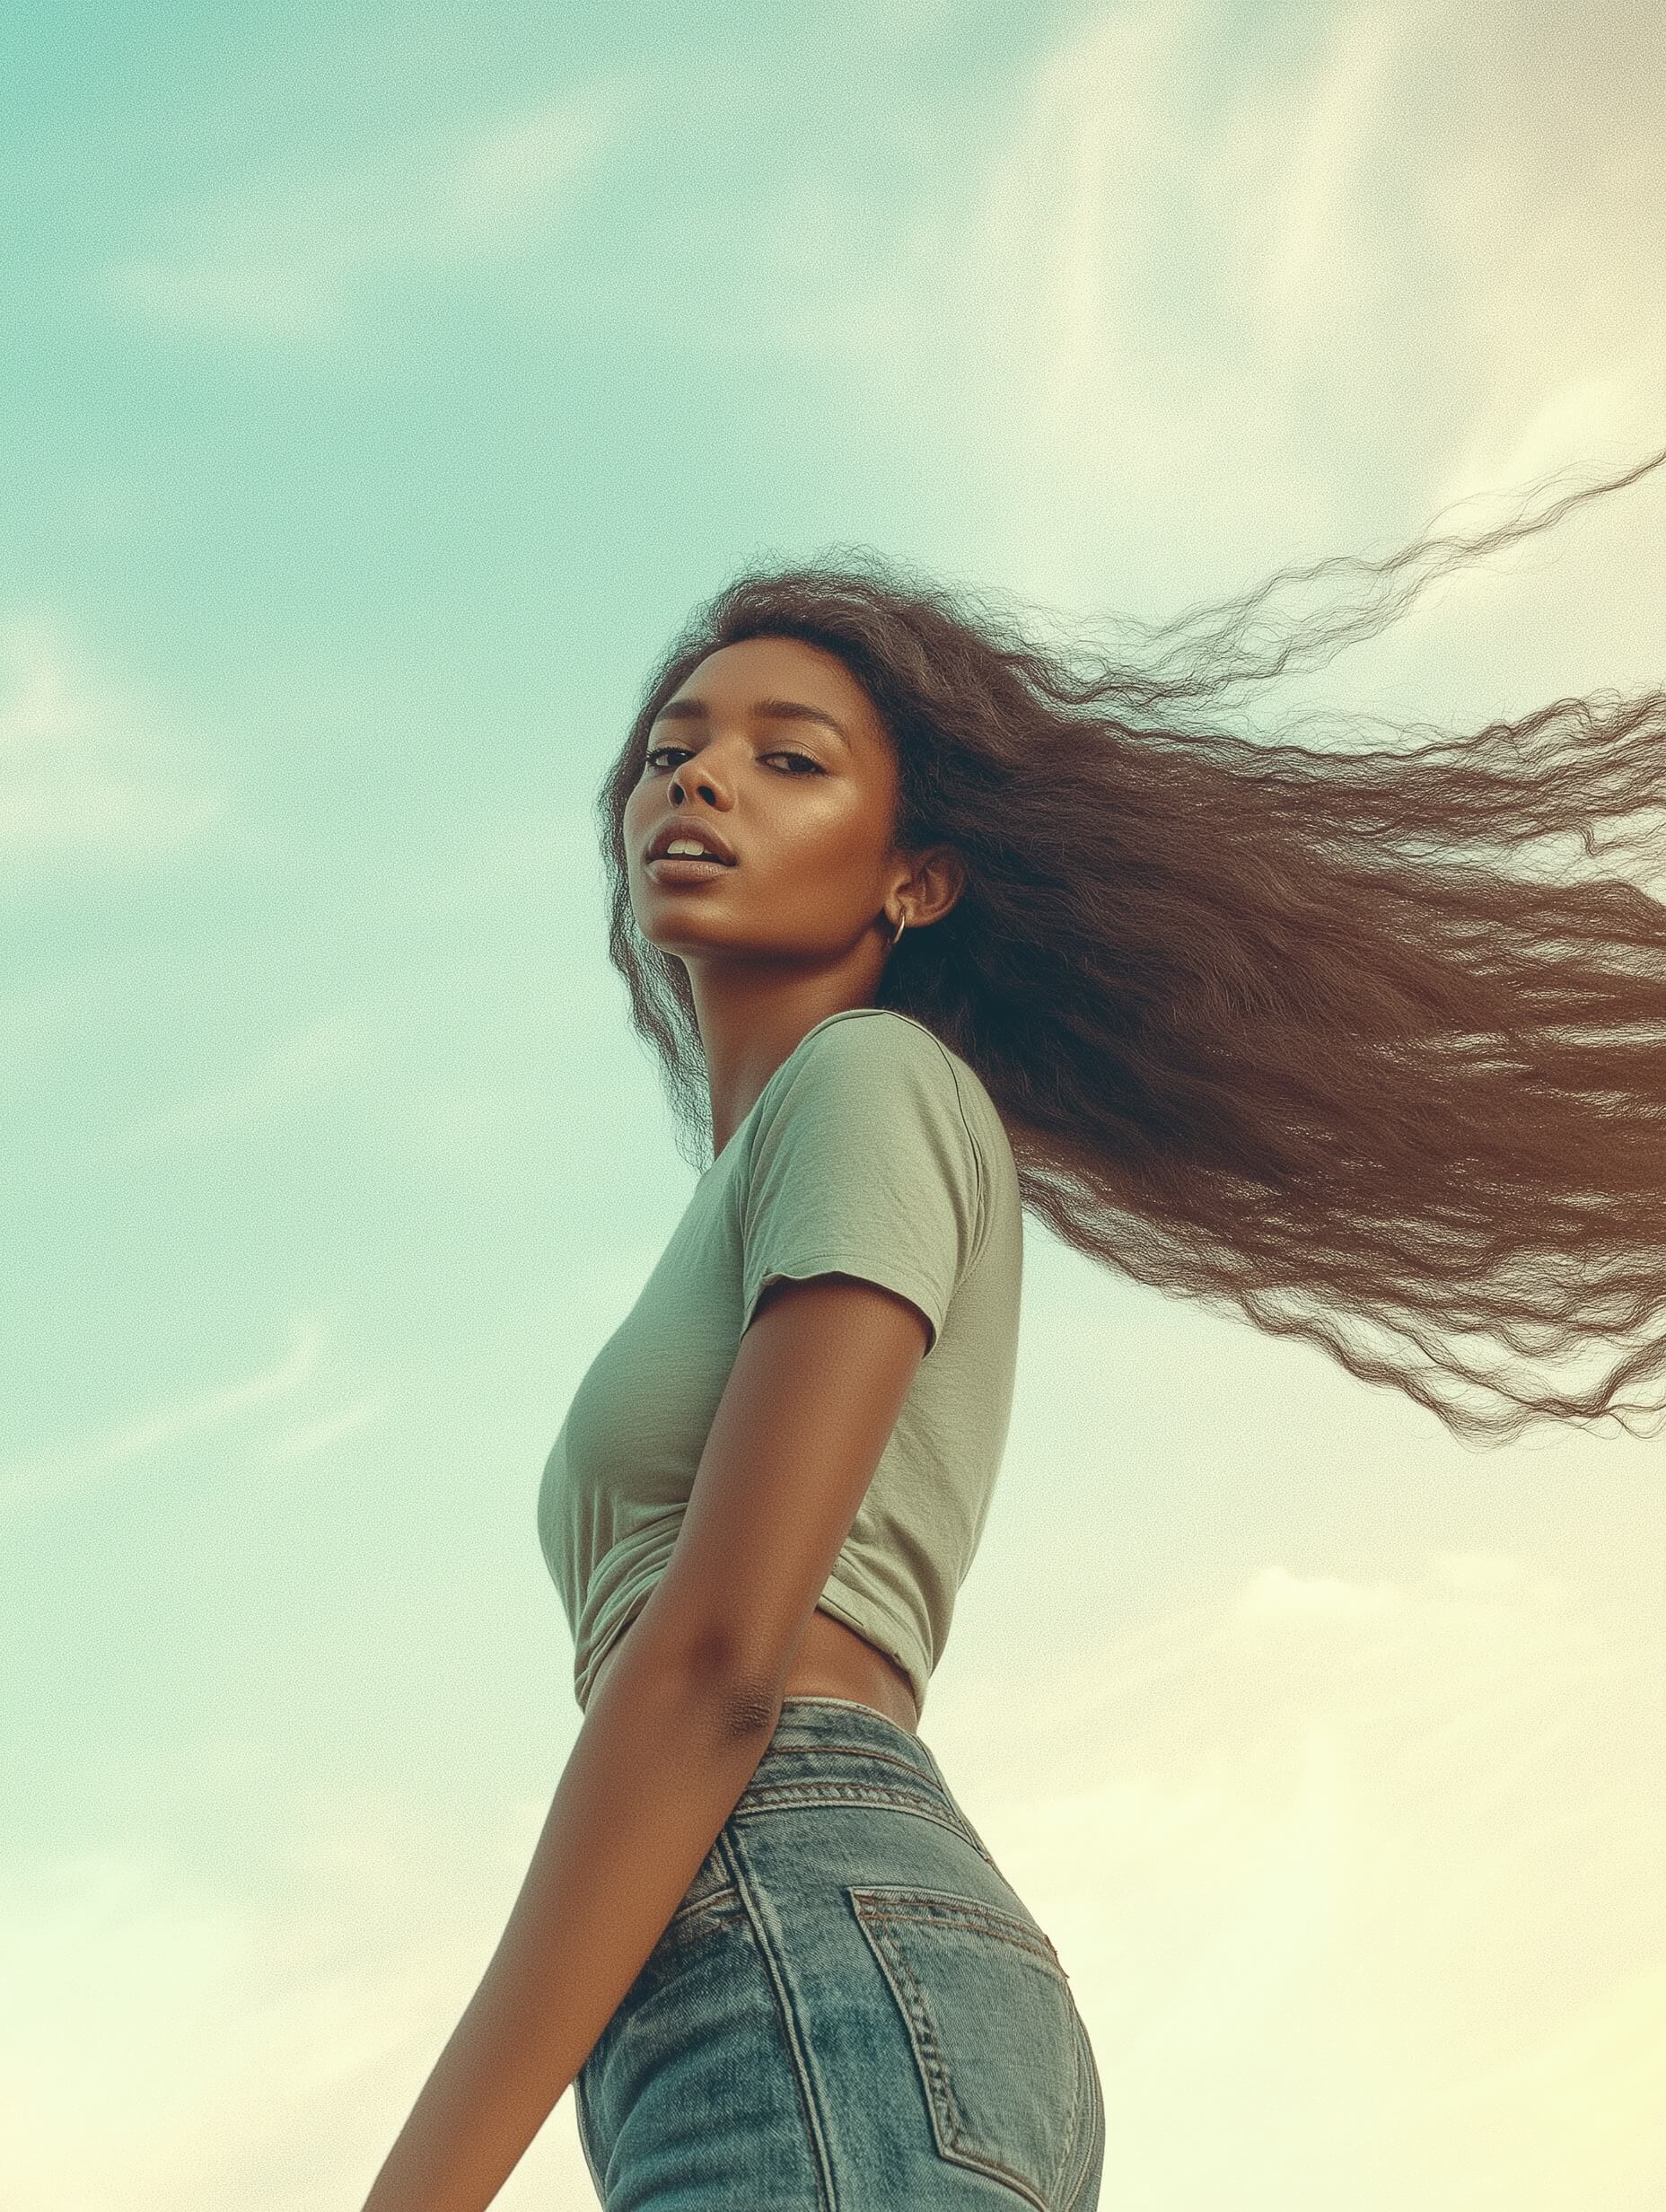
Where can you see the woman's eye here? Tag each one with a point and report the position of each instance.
(815, 767)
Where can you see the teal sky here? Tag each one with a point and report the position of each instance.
(381, 389)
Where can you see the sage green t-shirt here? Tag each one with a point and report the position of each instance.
(873, 1151)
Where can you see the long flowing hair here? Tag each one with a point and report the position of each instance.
(1268, 1023)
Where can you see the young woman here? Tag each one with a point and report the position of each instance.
(972, 928)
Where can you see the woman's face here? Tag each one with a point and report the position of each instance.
(774, 745)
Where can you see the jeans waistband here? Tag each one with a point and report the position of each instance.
(825, 1753)
(814, 1723)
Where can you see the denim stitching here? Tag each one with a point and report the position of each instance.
(780, 1797)
(946, 2123)
(851, 1751)
(583, 2138)
(714, 1900)
(888, 1906)
(1086, 2131)
(921, 2033)
(939, 1908)
(930, 1779)
(729, 1844)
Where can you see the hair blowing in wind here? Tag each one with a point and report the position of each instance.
(1276, 1025)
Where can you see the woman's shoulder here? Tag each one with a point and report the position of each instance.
(877, 1025)
(878, 1036)
(885, 1039)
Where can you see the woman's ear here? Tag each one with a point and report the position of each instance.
(938, 880)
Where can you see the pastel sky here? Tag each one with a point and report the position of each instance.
(381, 387)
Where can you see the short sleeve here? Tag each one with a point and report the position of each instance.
(863, 1163)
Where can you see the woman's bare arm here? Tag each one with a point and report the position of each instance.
(654, 1774)
(674, 1731)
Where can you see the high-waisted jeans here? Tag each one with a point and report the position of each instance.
(852, 2010)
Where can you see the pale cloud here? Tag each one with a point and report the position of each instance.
(174, 1425)
(1366, 1870)
(1548, 206)
(317, 1437)
(170, 2045)
(1277, 1591)
(39, 1017)
(1189, 300)
(88, 771)
(1062, 220)
(283, 1069)
(1366, 1873)
(1305, 255)
(291, 257)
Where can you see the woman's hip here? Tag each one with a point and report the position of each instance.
(851, 2008)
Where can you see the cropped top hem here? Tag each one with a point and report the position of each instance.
(853, 1607)
(857, 1609)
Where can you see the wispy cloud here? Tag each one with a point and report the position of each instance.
(292, 257)
(173, 1425)
(285, 1069)
(316, 1437)
(1183, 293)
(87, 771)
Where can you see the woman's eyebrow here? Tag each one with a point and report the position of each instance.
(774, 710)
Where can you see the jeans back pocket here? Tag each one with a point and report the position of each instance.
(995, 2033)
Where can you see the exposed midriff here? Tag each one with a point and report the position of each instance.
(832, 1661)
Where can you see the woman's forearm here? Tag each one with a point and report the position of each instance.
(662, 1758)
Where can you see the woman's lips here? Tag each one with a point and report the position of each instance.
(679, 868)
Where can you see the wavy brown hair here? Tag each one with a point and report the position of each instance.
(1269, 1024)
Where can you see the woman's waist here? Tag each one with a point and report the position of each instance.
(832, 1660)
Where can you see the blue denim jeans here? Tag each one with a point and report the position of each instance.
(851, 2010)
